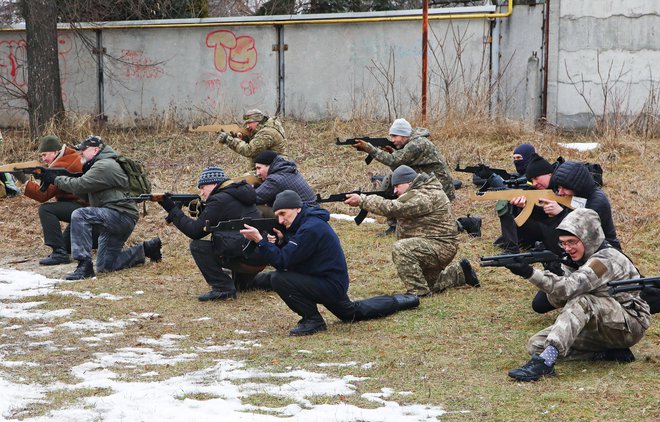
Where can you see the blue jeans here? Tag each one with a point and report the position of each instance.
(114, 228)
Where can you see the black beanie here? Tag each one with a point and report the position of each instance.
(538, 166)
(287, 199)
(265, 157)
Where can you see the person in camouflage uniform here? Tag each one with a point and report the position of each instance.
(415, 150)
(427, 236)
(266, 133)
(592, 323)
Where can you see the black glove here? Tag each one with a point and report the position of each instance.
(167, 203)
(47, 178)
(522, 270)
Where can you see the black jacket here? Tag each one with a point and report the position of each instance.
(234, 201)
(575, 176)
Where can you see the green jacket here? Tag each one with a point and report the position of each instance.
(103, 184)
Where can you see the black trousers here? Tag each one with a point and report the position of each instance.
(302, 293)
(211, 266)
(50, 216)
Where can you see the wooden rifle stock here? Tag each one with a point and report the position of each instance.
(533, 198)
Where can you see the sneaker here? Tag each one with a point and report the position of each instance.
(390, 230)
(217, 295)
(152, 249)
(533, 370)
(59, 256)
(308, 327)
(85, 269)
(615, 355)
(470, 276)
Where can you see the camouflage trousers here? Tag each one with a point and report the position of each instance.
(423, 265)
(579, 331)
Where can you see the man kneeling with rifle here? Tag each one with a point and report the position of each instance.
(427, 236)
(311, 268)
(592, 324)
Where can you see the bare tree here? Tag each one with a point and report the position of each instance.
(44, 94)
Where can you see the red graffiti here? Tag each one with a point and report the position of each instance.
(137, 66)
(237, 53)
(252, 85)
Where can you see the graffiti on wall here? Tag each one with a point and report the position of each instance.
(252, 84)
(138, 66)
(229, 51)
(13, 60)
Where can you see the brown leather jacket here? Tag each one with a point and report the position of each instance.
(68, 159)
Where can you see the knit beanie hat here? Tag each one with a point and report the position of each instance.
(50, 143)
(287, 199)
(526, 151)
(254, 115)
(265, 157)
(537, 166)
(403, 174)
(211, 175)
(401, 127)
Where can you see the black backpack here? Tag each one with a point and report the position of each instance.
(595, 169)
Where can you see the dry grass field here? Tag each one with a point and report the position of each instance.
(453, 351)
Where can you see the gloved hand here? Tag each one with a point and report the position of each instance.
(47, 178)
(167, 203)
(222, 137)
(522, 270)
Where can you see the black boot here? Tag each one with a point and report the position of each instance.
(406, 301)
(306, 327)
(152, 249)
(471, 225)
(390, 230)
(470, 276)
(217, 295)
(615, 355)
(85, 269)
(533, 370)
(59, 256)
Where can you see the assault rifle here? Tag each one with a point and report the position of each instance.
(231, 129)
(341, 197)
(649, 290)
(261, 224)
(536, 255)
(180, 199)
(484, 171)
(533, 197)
(377, 142)
(40, 172)
(15, 167)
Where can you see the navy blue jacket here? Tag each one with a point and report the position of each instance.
(575, 176)
(311, 248)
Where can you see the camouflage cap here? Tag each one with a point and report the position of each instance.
(90, 141)
(254, 115)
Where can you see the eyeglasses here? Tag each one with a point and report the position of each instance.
(571, 243)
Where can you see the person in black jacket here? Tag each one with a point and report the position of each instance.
(223, 201)
(573, 178)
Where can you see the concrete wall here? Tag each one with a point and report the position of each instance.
(598, 47)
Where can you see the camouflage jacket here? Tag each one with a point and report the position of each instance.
(268, 136)
(423, 211)
(598, 266)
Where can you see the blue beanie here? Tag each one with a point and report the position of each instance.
(211, 175)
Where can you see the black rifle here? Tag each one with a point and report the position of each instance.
(261, 224)
(377, 142)
(649, 288)
(483, 172)
(537, 254)
(180, 199)
(39, 172)
(341, 197)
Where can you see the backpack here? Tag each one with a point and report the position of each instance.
(595, 169)
(137, 177)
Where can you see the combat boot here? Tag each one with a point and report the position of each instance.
(406, 301)
(533, 370)
(471, 225)
(470, 276)
(615, 355)
(59, 256)
(307, 327)
(85, 269)
(152, 249)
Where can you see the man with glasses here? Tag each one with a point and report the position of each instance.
(592, 324)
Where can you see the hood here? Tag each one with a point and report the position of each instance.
(575, 176)
(306, 212)
(585, 224)
(273, 123)
(425, 181)
(241, 191)
(106, 152)
(420, 132)
(282, 165)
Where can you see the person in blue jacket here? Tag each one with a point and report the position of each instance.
(311, 268)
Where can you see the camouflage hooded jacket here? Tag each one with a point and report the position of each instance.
(422, 211)
(420, 154)
(598, 266)
(268, 136)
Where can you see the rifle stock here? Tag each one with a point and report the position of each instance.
(533, 197)
(182, 199)
(633, 284)
(229, 128)
(16, 167)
